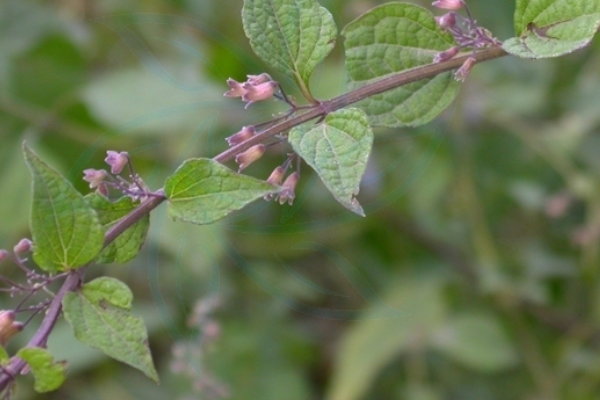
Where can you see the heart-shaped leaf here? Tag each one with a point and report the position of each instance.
(392, 38)
(203, 191)
(65, 229)
(338, 150)
(551, 28)
(293, 36)
(99, 317)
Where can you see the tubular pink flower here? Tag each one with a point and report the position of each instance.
(446, 55)
(9, 331)
(94, 176)
(116, 160)
(262, 91)
(3, 254)
(244, 134)
(258, 79)
(23, 246)
(275, 179)
(289, 187)
(463, 72)
(236, 89)
(446, 21)
(249, 156)
(449, 4)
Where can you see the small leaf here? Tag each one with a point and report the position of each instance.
(551, 28)
(127, 245)
(49, 375)
(338, 150)
(392, 38)
(203, 191)
(110, 289)
(476, 341)
(111, 330)
(65, 229)
(293, 36)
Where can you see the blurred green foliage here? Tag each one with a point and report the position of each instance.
(475, 275)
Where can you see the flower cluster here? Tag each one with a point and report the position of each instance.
(102, 180)
(256, 88)
(466, 33)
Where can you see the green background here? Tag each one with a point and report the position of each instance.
(475, 274)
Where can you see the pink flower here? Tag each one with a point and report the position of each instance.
(23, 246)
(446, 55)
(94, 176)
(289, 186)
(236, 89)
(449, 4)
(262, 91)
(249, 156)
(258, 79)
(446, 21)
(275, 179)
(462, 73)
(116, 160)
(246, 133)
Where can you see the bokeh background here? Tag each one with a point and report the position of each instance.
(475, 275)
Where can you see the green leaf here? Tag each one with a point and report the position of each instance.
(293, 36)
(127, 245)
(49, 375)
(380, 335)
(203, 191)
(551, 28)
(477, 341)
(112, 330)
(110, 289)
(65, 229)
(338, 150)
(389, 39)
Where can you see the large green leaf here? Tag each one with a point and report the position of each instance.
(49, 375)
(203, 191)
(392, 38)
(338, 150)
(293, 36)
(378, 337)
(65, 229)
(99, 316)
(477, 341)
(551, 28)
(126, 246)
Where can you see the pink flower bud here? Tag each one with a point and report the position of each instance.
(289, 186)
(236, 89)
(94, 176)
(446, 55)
(446, 21)
(116, 160)
(7, 317)
(23, 246)
(258, 79)
(462, 73)
(9, 331)
(249, 156)
(262, 91)
(246, 133)
(449, 4)
(275, 179)
(3, 254)
(276, 176)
